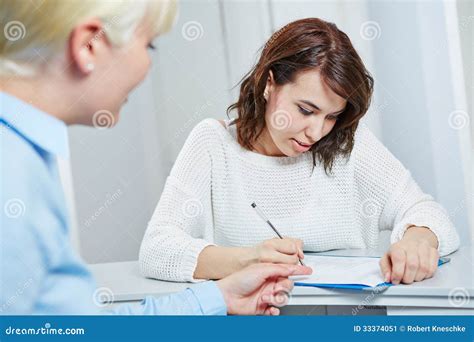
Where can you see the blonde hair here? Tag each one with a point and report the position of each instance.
(32, 35)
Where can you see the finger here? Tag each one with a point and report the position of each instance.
(271, 311)
(411, 267)
(299, 244)
(301, 270)
(267, 311)
(266, 299)
(286, 246)
(279, 299)
(267, 271)
(424, 256)
(434, 257)
(281, 258)
(276, 298)
(270, 271)
(281, 292)
(300, 253)
(385, 267)
(284, 284)
(398, 259)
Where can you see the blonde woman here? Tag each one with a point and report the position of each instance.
(60, 63)
(297, 149)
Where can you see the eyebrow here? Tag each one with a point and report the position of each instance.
(317, 108)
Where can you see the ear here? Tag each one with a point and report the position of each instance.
(270, 82)
(270, 77)
(86, 43)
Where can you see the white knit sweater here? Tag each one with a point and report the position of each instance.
(207, 196)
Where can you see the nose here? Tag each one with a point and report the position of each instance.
(314, 132)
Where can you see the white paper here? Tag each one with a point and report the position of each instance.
(342, 270)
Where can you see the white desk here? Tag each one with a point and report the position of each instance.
(435, 296)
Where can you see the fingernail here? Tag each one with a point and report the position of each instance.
(387, 277)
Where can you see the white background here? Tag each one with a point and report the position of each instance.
(421, 58)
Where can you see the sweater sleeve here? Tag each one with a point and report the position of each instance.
(181, 226)
(387, 188)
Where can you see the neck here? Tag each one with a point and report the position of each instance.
(266, 146)
(40, 94)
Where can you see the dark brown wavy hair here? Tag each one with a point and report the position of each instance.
(303, 45)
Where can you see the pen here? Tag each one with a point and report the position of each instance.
(259, 212)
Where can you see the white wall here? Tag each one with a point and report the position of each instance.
(119, 174)
(414, 74)
(465, 23)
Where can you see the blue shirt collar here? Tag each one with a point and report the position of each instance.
(40, 128)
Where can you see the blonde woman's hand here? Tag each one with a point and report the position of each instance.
(259, 289)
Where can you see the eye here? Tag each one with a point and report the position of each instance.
(304, 111)
(151, 46)
(332, 117)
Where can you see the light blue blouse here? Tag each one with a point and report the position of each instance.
(39, 271)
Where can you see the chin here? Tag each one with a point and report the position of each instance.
(290, 152)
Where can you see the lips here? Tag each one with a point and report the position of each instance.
(299, 146)
(302, 143)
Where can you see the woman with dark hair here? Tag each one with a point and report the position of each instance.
(297, 149)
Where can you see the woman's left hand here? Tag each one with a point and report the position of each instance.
(413, 258)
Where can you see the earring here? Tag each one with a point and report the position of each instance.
(90, 67)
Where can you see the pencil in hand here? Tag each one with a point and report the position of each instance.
(262, 215)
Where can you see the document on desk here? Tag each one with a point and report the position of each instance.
(342, 272)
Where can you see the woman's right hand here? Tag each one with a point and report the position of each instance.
(216, 262)
(279, 251)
